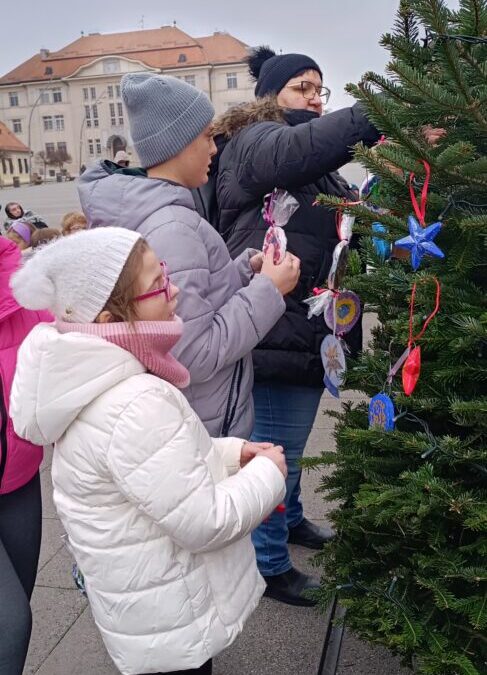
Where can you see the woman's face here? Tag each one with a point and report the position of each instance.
(151, 278)
(15, 210)
(291, 96)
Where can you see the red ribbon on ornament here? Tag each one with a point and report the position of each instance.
(412, 366)
(420, 211)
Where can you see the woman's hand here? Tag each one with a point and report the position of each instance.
(256, 262)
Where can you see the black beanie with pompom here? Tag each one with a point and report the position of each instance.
(272, 72)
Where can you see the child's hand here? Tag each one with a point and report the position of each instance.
(249, 450)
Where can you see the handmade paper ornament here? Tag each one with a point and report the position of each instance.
(411, 370)
(333, 359)
(338, 265)
(381, 412)
(343, 312)
(381, 245)
(420, 242)
(279, 206)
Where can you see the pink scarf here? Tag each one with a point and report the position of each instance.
(149, 341)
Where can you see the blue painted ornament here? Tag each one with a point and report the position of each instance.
(382, 246)
(420, 242)
(381, 412)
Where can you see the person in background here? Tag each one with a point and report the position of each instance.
(283, 140)
(157, 513)
(74, 221)
(44, 236)
(122, 159)
(15, 211)
(228, 306)
(20, 490)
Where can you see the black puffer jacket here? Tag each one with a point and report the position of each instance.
(262, 147)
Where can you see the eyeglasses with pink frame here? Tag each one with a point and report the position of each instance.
(166, 288)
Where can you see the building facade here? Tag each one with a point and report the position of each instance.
(14, 159)
(68, 103)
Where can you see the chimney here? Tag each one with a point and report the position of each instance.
(44, 53)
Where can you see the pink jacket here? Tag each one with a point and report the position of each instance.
(19, 460)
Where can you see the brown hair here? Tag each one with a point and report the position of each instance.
(44, 235)
(121, 303)
(72, 218)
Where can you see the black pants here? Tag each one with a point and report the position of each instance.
(205, 669)
(20, 540)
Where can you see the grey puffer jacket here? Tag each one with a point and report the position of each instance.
(226, 309)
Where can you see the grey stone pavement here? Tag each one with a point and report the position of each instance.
(277, 640)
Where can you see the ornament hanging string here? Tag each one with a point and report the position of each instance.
(420, 211)
(412, 339)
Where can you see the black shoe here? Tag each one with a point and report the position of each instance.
(289, 586)
(309, 535)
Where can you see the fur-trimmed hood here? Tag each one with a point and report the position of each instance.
(235, 119)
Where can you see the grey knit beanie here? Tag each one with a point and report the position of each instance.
(165, 115)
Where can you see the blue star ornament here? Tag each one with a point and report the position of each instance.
(420, 242)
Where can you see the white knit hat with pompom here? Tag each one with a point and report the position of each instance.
(74, 276)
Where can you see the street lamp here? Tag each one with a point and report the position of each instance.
(100, 97)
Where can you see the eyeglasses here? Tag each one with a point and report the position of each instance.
(309, 90)
(165, 288)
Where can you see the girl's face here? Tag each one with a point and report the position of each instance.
(15, 210)
(160, 306)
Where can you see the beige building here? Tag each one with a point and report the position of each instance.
(68, 102)
(14, 159)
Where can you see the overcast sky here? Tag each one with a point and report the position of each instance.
(342, 35)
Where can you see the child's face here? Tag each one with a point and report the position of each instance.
(151, 278)
(195, 160)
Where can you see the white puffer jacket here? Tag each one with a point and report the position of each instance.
(158, 514)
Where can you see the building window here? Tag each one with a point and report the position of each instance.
(117, 90)
(113, 119)
(111, 66)
(94, 113)
(50, 148)
(21, 168)
(88, 116)
(57, 96)
(182, 58)
(190, 79)
(232, 81)
(44, 97)
(91, 149)
(110, 90)
(93, 93)
(47, 121)
(59, 122)
(26, 165)
(62, 147)
(52, 173)
(10, 165)
(13, 98)
(98, 146)
(85, 93)
(120, 113)
(17, 126)
(4, 166)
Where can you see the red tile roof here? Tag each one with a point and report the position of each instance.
(9, 141)
(157, 48)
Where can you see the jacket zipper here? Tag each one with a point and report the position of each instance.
(3, 434)
(230, 410)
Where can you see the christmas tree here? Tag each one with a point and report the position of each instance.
(410, 559)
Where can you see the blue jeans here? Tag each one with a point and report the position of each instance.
(284, 415)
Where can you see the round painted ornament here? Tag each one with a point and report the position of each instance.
(343, 312)
(338, 266)
(381, 412)
(333, 358)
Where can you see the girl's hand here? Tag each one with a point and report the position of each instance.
(250, 450)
